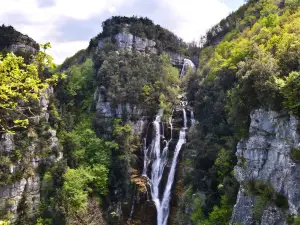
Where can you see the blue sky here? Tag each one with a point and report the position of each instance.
(70, 24)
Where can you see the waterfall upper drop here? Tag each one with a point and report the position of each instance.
(158, 160)
(187, 63)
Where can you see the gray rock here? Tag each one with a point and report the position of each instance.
(143, 45)
(242, 212)
(138, 127)
(266, 153)
(124, 41)
(175, 58)
(22, 47)
(272, 215)
(7, 143)
(11, 194)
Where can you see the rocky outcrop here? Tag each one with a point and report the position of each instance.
(266, 156)
(23, 154)
(126, 41)
(129, 42)
(106, 108)
(23, 48)
(13, 40)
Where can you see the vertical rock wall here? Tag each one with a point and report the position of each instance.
(21, 154)
(266, 156)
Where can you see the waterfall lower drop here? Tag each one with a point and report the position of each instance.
(131, 211)
(193, 121)
(159, 161)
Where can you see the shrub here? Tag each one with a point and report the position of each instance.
(290, 88)
(258, 208)
(295, 154)
(266, 192)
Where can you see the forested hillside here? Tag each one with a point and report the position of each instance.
(107, 92)
(129, 131)
(254, 64)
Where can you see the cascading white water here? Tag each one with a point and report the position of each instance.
(184, 119)
(131, 211)
(187, 63)
(165, 203)
(193, 121)
(159, 161)
(145, 150)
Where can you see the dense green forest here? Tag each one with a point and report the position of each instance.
(250, 60)
(255, 65)
(98, 167)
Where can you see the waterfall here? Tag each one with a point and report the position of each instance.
(171, 126)
(159, 161)
(187, 63)
(131, 211)
(184, 119)
(192, 118)
(165, 204)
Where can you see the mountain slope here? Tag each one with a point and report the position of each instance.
(249, 68)
(240, 162)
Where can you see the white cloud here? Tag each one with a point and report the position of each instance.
(112, 9)
(60, 51)
(41, 23)
(188, 19)
(192, 18)
(80, 9)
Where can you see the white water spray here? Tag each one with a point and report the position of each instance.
(159, 161)
(165, 203)
(184, 119)
(193, 121)
(187, 63)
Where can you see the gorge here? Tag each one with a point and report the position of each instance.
(143, 128)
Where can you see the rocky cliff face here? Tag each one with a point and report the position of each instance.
(22, 156)
(14, 41)
(127, 41)
(265, 156)
(27, 152)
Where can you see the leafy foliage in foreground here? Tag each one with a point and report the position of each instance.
(22, 84)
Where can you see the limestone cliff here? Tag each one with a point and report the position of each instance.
(23, 155)
(14, 41)
(27, 153)
(129, 42)
(265, 157)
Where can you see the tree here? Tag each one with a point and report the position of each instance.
(21, 86)
(290, 88)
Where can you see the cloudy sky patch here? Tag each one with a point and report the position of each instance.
(69, 24)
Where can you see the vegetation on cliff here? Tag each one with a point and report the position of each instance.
(21, 84)
(9, 36)
(100, 150)
(144, 28)
(250, 60)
